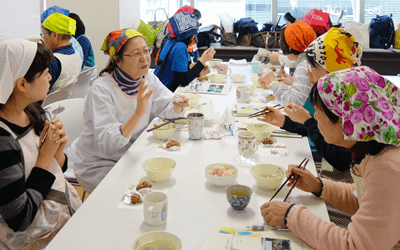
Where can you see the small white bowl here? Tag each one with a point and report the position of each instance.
(154, 240)
(254, 80)
(238, 78)
(262, 130)
(215, 62)
(217, 78)
(268, 176)
(159, 169)
(165, 132)
(193, 99)
(221, 181)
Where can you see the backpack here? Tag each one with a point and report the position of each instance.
(381, 32)
(206, 36)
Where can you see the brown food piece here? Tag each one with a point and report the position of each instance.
(173, 143)
(143, 184)
(267, 141)
(280, 74)
(135, 198)
(271, 97)
(273, 69)
(205, 78)
(200, 79)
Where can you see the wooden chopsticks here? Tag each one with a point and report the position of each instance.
(159, 126)
(263, 112)
(306, 161)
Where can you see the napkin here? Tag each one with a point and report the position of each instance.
(238, 62)
(226, 123)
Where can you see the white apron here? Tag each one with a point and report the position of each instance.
(61, 202)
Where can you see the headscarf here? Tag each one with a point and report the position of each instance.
(318, 20)
(335, 50)
(116, 39)
(60, 23)
(297, 13)
(366, 102)
(51, 10)
(16, 56)
(185, 9)
(182, 25)
(299, 35)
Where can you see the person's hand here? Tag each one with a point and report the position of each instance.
(142, 99)
(205, 71)
(274, 117)
(48, 149)
(273, 213)
(178, 107)
(274, 57)
(207, 55)
(307, 181)
(297, 113)
(266, 79)
(59, 132)
(286, 79)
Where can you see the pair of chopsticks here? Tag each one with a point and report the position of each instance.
(305, 161)
(165, 123)
(263, 112)
(45, 134)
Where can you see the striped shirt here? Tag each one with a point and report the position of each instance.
(299, 91)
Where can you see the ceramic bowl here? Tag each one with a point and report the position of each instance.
(221, 181)
(165, 132)
(215, 62)
(268, 176)
(262, 130)
(238, 78)
(254, 80)
(251, 88)
(238, 196)
(193, 99)
(217, 78)
(159, 169)
(157, 240)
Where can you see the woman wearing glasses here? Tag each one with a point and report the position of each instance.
(119, 106)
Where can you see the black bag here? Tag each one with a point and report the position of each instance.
(272, 39)
(228, 39)
(381, 32)
(244, 39)
(206, 36)
(258, 40)
(245, 25)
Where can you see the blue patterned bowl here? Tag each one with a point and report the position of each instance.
(238, 196)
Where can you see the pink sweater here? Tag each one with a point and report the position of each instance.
(375, 222)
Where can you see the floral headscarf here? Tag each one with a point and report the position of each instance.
(116, 39)
(366, 102)
(51, 10)
(335, 50)
(60, 23)
(299, 35)
(182, 25)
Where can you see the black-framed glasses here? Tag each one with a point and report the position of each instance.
(137, 54)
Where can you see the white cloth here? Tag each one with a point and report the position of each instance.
(70, 69)
(238, 62)
(284, 60)
(16, 56)
(101, 143)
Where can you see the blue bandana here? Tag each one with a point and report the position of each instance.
(52, 10)
(184, 25)
(297, 13)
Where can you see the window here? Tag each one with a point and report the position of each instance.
(381, 7)
(154, 9)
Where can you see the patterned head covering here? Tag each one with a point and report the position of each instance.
(366, 102)
(297, 13)
(318, 20)
(116, 39)
(335, 50)
(16, 56)
(299, 35)
(60, 23)
(51, 10)
(182, 25)
(185, 9)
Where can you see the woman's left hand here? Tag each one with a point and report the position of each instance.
(60, 133)
(266, 79)
(178, 106)
(205, 71)
(286, 79)
(273, 213)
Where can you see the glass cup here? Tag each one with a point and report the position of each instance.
(196, 124)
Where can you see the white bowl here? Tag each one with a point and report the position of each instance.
(251, 88)
(159, 169)
(165, 132)
(193, 99)
(238, 78)
(217, 78)
(268, 176)
(154, 240)
(254, 80)
(221, 181)
(215, 62)
(262, 130)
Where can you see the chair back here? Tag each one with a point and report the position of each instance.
(71, 115)
(58, 95)
(81, 87)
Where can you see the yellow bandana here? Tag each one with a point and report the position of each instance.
(60, 23)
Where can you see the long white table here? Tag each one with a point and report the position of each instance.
(194, 206)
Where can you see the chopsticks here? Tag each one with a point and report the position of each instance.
(45, 134)
(295, 181)
(263, 112)
(306, 161)
(159, 126)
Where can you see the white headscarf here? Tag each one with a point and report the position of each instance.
(16, 56)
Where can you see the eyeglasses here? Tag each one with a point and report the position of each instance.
(42, 35)
(310, 68)
(145, 52)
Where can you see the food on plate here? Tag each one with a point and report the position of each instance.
(215, 66)
(273, 69)
(143, 184)
(266, 141)
(173, 143)
(271, 97)
(205, 78)
(202, 78)
(280, 74)
(135, 198)
(221, 170)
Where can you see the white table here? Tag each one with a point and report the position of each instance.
(194, 206)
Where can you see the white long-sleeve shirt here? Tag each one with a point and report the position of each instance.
(101, 143)
(299, 91)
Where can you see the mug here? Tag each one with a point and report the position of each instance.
(196, 124)
(242, 94)
(223, 69)
(247, 143)
(155, 206)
